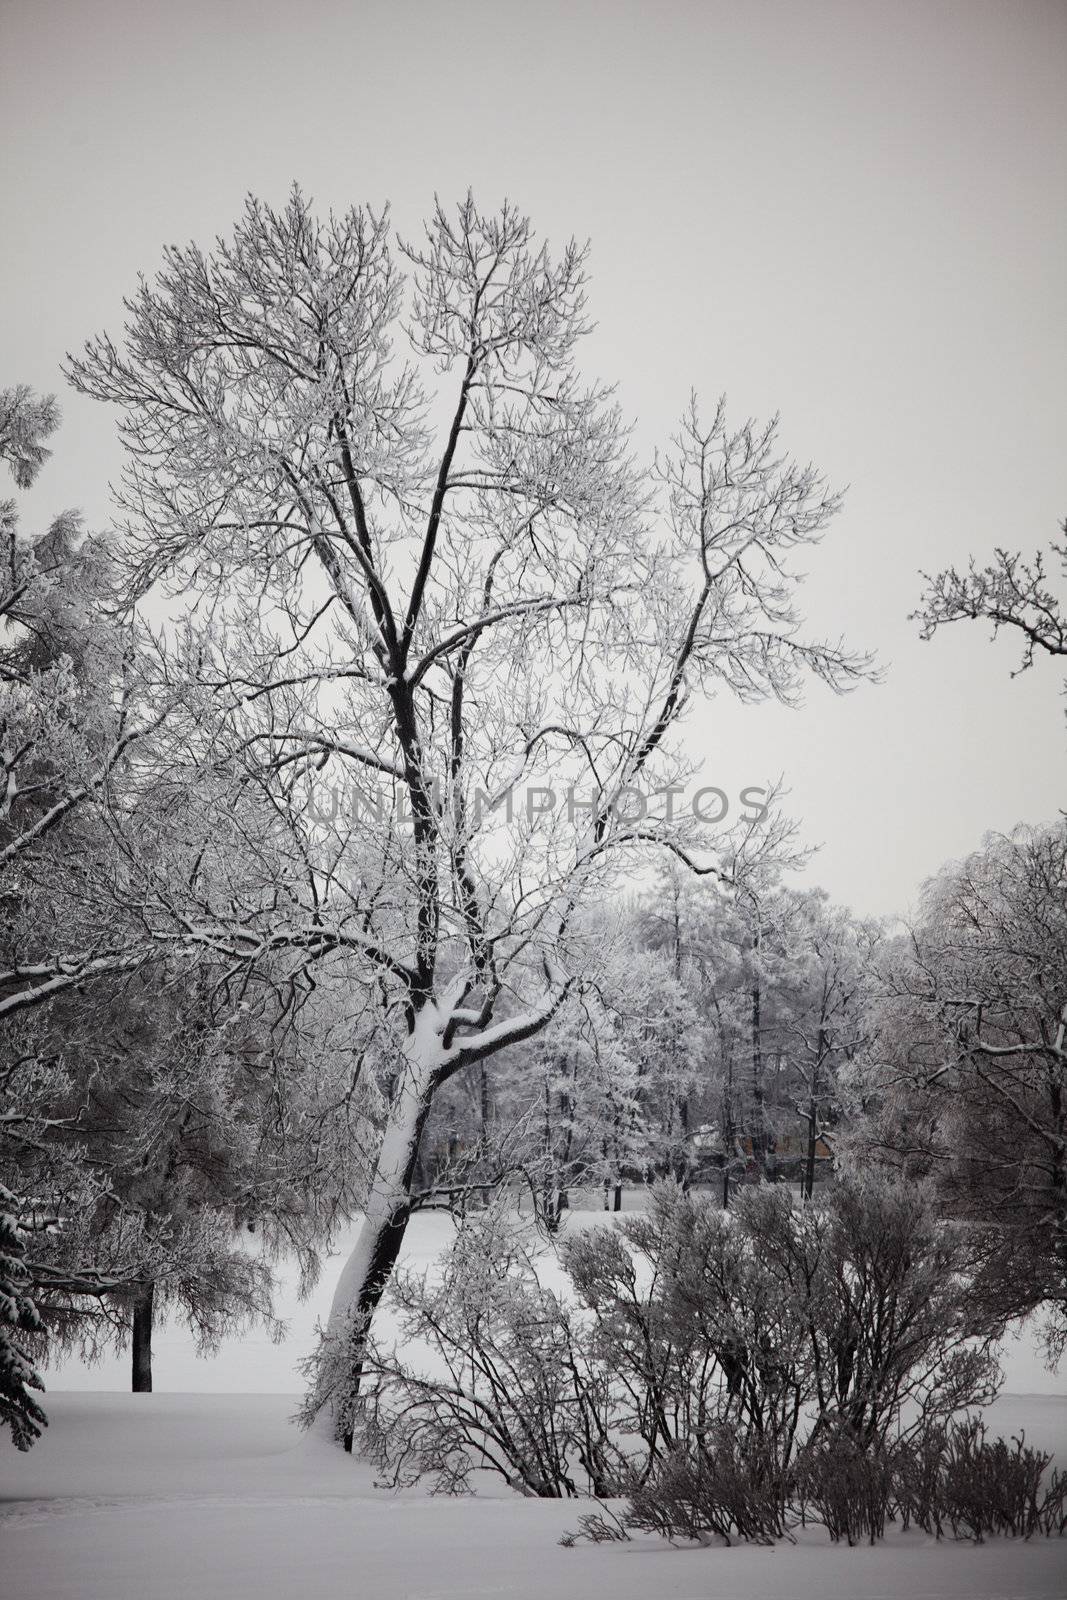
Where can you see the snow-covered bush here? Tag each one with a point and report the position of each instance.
(502, 1379)
(692, 1328)
(881, 1285)
(730, 1374)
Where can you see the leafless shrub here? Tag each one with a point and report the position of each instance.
(728, 1375)
(982, 1487)
(846, 1482)
(508, 1385)
(722, 1485)
(597, 1527)
(917, 1493)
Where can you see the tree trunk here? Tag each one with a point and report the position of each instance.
(682, 1168)
(681, 1162)
(388, 1209)
(141, 1340)
(813, 1110)
(483, 1098)
(548, 1180)
(728, 1131)
(759, 1123)
(1059, 1150)
(809, 1166)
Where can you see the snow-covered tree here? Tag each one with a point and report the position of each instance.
(26, 421)
(828, 1020)
(175, 1134)
(1017, 596)
(108, 1103)
(18, 1316)
(775, 974)
(75, 703)
(966, 1075)
(70, 714)
(439, 580)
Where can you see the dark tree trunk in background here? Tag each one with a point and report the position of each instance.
(681, 1164)
(729, 1131)
(141, 1340)
(813, 1114)
(484, 1104)
(808, 1187)
(759, 1126)
(682, 1168)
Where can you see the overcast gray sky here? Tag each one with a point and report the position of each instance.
(851, 212)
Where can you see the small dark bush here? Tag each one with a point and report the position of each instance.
(917, 1496)
(597, 1527)
(728, 1487)
(847, 1483)
(990, 1487)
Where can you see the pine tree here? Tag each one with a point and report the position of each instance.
(18, 1314)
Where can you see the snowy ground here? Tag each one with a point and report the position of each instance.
(213, 1494)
